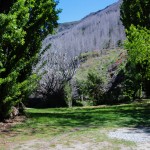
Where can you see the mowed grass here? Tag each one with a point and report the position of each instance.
(48, 123)
(127, 115)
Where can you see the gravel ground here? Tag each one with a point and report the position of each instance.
(131, 134)
(141, 136)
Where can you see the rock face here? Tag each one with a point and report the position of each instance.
(100, 30)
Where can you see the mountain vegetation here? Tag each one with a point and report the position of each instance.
(86, 62)
(96, 32)
(93, 43)
(99, 30)
(96, 75)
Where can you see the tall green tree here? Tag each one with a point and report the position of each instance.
(23, 26)
(135, 15)
(136, 12)
(138, 46)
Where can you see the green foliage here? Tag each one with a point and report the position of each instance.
(129, 88)
(107, 68)
(92, 88)
(136, 19)
(138, 46)
(135, 12)
(24, 24)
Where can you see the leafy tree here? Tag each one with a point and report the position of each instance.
(136, 12)
(138, 46)
(24, 24)
(92, 89)
(95, 87)
(135, 16)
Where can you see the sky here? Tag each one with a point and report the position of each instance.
(74, 10)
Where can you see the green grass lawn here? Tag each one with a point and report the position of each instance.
(47, 123)
(127, 115)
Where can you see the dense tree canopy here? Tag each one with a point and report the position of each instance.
(138, 46)
(136, 12)
(135, 16)
(23, 26)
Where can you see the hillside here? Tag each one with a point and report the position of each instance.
(99, 33)
(106, 64)
(99, 30)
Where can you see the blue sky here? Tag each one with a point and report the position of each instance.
(74, 10)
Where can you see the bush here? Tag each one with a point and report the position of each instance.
(91, 90)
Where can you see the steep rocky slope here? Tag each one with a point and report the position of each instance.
(100, 30)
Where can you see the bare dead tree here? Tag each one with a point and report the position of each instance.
(97, 31)
(58, 70)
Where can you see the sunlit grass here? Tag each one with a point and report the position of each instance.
(60, 120)
(48, 123)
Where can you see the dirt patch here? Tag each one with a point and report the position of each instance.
(11, 122)
(83, 139)
(75, 140)
(6, 133)
(66, 145)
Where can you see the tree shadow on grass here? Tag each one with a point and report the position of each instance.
(57, 121)
(124, 116)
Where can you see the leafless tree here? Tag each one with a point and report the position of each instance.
(58, 70)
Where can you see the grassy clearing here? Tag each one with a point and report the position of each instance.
(127, 115)
(78, 123)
